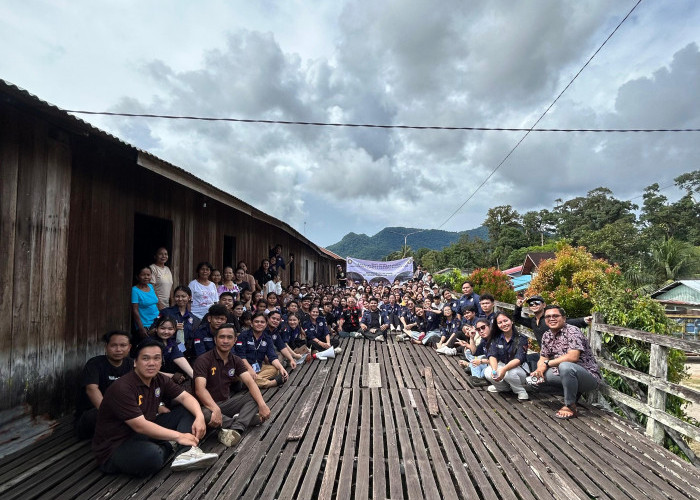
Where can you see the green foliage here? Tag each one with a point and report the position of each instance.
(570, 278)
(452, 280)
(493, 281)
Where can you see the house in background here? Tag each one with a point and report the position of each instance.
(681, 299)
(533, 260)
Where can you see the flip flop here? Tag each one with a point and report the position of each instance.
(566, 413)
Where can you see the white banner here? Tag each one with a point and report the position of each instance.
(377, 272)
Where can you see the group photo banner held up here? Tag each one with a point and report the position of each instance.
(378, 272)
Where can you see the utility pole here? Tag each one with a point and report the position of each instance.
(405, 239)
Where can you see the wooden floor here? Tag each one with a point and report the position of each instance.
(374, 423)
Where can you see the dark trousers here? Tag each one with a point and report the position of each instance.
(84, 425)
(373, 333)
(395, 319)
(142, 456)
(241, 403)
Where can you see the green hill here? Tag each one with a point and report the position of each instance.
(390, 239)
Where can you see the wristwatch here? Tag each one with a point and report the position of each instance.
(546, 362)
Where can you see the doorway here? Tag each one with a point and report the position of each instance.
(151, 233)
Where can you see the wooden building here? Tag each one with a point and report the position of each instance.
(81, 210)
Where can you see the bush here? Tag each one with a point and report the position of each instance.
(493, 281)
(569, 279)
(452, 280)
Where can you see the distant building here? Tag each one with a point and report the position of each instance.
(533, 260)
(681, 299)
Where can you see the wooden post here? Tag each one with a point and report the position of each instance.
(595, 339)
(656, 398)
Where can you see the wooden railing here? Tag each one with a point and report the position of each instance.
(659, 421)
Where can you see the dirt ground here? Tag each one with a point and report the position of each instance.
(694, 409)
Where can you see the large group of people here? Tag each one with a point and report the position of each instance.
(199, 354)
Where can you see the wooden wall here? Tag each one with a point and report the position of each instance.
(68, 203)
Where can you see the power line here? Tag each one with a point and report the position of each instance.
(376, 125)
(541, 116)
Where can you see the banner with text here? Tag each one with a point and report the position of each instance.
(378, 272)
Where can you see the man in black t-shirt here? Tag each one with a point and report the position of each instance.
(341, 277)
(98, 375)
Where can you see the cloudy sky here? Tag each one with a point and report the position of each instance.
(489, 63)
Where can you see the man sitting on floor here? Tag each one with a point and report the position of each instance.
(566, 359)
(214, 371)
(99, 373)
(132, 437)
(374, 322)
(257, 349)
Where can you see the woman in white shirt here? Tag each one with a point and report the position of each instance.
(162, 278)
(204, 293)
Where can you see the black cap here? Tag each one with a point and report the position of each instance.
(535, 297)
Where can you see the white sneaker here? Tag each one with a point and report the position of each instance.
(194, 458)
(338, 350)
(523, 396)
(379, 338)
(492, 388)
(449, 351)
(400, 338)
(358, 335)
(392, 328)
(229, 437)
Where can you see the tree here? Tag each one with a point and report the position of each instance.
(671, 259)
(498, 218)
(537, 225)
(619, 242)
(590, 213)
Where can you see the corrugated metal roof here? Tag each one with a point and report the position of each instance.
(681, 292)
(513, 270)
(521, 282)
(13, 94)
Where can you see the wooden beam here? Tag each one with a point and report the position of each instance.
(652, 338)
(304, 416)
(431, 392)
(656, 398)
(374, 376)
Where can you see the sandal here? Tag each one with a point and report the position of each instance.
(566, 413)
(464, 364)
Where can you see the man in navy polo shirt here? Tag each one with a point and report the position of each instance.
(133, 437)
(469, 298)
(214, 371)
(257, 349)
(203, 337)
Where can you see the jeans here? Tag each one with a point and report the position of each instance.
(477, 371)
(373, 333)
(142, 456)
(574, 379)
(431, 336)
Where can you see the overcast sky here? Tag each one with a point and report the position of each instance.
(449, 63)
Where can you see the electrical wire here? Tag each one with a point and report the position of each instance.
(384, 126)
(542, 115)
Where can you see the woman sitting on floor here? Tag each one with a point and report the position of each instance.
(507, 358)
(175, 365)
(476, 355)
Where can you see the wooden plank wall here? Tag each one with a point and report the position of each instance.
(68, 203)
(35, 167)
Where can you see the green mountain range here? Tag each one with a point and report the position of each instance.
(390, 239)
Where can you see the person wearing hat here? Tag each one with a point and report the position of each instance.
(341, 276)
(536, 322)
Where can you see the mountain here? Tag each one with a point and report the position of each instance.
(390, 239)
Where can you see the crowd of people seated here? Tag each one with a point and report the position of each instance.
(199, 355)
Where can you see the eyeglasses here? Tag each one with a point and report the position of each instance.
(552, 316)
(481, 328)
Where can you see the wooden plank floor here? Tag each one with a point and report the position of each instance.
(372, 432)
